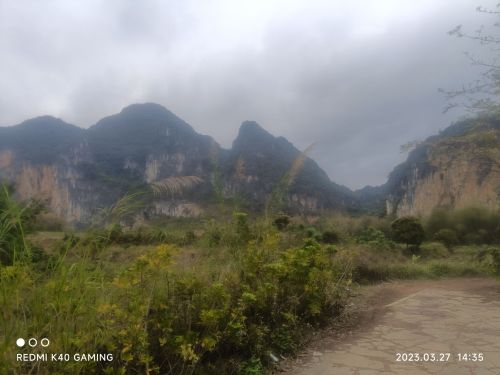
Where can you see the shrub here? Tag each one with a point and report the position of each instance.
(188, 239)
(375, 238)
(242, 229)
(447, 237)
(214, 237)
(472, 225)
(253, 367)
(260, 308)
(313, 233)
(495, 254)
(330, 236)
(281, 221)
(48, 222)
(440, 218)
(370, 234)
(408, 230)
(434, 250)
(440, 269)
(331, 249)
(473, 238)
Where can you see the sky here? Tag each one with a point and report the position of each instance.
(358, 78)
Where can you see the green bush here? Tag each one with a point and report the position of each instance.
(433, 250)
(48, 222)
(447, 237)
(440, 218)
(242, 228)
(440, 269)
(472, 225)
(279, 293)
(330, 236)
(495, 254)
(155, 317)
(375, 238)
(408, 230)
(312, 232)
(188, 239)
(253, 367)
(281, 221)
(214, 237)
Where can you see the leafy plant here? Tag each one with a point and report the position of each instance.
(330, 236)
(408, 230)
(281, 221)
(447, 237)
(495, 254)
(376, 238)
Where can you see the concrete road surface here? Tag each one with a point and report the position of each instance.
(431, 327)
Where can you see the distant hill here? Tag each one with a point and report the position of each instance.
(77, 172)
(258, 160)
(41, 139)
(457, 168)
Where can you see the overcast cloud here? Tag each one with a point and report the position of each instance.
(359, 78)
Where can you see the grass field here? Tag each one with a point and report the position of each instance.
(203, 296)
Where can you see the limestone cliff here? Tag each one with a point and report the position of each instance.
(258, 160)
(78, 172)
(458, 168)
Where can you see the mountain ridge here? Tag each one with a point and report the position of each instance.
(457, 168)
(78, 171)
(145, 143)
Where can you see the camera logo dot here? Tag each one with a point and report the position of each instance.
(20, 342)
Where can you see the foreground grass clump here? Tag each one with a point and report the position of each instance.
(157, 316)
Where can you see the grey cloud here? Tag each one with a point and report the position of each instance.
(359, 78)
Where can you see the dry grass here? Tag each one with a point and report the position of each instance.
(126, 205)
(174, 185)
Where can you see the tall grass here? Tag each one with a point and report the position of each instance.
(277, 200)
(131, 203)
(171, 311)
(15, 221)
(171, 186)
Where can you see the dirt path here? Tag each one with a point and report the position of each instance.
(431, 318)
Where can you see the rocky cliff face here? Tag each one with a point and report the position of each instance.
(257, 162)
(40, 157)
(77, 172)
(458, 168)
